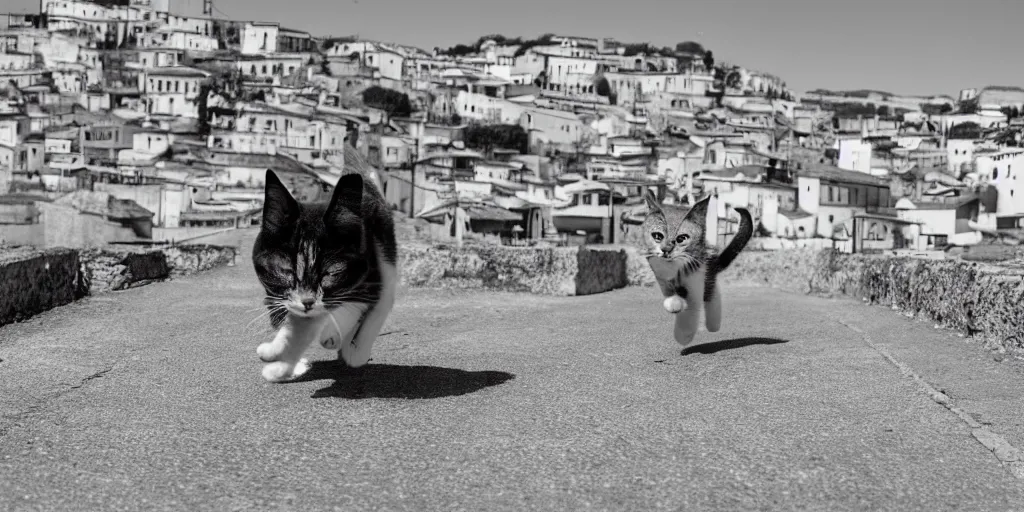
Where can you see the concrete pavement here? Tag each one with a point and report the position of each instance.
(151, 399)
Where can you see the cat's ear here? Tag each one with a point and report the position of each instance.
(348, 195)
(280, 209)
(699, 213)
(652, 202)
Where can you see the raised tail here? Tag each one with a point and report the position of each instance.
(738, 242)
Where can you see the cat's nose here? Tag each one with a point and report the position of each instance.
(308, 303)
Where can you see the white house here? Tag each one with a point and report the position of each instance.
(173, 90)
(959, 152)
(1003, 170)
(259, 38)
(854, 155)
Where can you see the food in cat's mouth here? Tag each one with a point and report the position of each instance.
(674, 304)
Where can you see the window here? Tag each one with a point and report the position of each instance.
(844, 195)
(588, 199)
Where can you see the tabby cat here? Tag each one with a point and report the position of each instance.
(329, 271)
(675, 245)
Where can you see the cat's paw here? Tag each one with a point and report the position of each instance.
(268, 353)
(284, 372)
(301, 368)
(352, 358)
(674, 304)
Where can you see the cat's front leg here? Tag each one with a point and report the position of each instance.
(357, 353)
(713, 310)
(290, 342)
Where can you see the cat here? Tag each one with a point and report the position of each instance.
(676, 245)
(329, 271)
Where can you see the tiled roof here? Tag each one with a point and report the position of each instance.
(102, 203)
(179, 71)
(798, 214)
(832, 173)
(946, 205)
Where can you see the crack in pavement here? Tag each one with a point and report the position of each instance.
(10, 420)
(1011, 457)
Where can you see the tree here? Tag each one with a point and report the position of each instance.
(691, 47)
(542, 40)
(709, 60)
(883, 111)
(637, 49)
(488, 137)
(969, 107)
(734, 79)
(602, 87)
(968, 130)
(390, 101)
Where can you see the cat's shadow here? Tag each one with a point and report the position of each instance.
(394, 381)
(733, 344)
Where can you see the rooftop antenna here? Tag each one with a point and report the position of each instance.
(207, 7)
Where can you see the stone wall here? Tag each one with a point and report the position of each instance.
(975, 298)
(981, 300)
(561, 271)
(35, 281)
(189, 259)
(120, 269)
(601, 270)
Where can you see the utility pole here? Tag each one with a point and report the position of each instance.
(412, 191)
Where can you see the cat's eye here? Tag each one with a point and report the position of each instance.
(682, 238)
(657, 237)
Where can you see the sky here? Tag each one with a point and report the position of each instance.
(919, 47)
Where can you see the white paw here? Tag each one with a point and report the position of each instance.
(268, 352)
(301, 368)
(352, 357)
(284, 372)
(674, 304)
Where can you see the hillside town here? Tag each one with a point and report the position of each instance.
(121, 122)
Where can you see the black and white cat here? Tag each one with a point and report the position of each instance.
(675, 246)
(329, 271)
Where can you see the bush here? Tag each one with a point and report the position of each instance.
(388, 100)
(506, 136)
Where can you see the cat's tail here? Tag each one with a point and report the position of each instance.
(738, 242)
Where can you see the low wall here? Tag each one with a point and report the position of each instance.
(35, 281)
(113, 270)
(979, 300)
(560, 271)
(189, 259)
(974, 298)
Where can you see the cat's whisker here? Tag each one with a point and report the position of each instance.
(269, 312)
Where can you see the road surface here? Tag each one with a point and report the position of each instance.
(151, 399)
